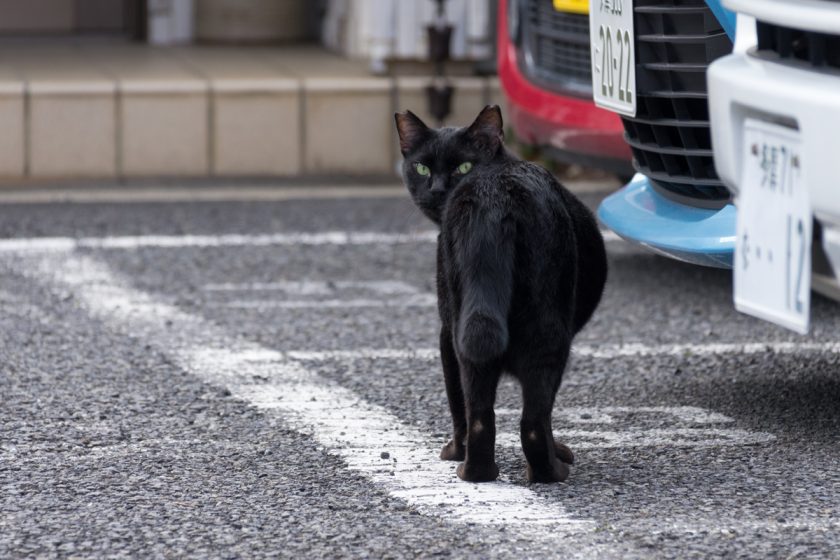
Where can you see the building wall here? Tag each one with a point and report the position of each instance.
(383, 29)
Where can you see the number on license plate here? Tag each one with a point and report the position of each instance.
(773, 246)
(613, 58)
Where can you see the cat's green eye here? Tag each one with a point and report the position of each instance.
(422, 169)
(464, 168)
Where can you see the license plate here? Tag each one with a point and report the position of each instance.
(772, 265)
(613, 57)
(572, 6)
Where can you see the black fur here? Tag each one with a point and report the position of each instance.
(521, 268)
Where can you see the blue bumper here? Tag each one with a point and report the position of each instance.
(641, 215)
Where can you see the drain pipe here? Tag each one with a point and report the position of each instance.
(439, 92)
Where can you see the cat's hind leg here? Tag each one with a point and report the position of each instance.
(562, 451)
(548, 459)
(455, 450)
(480, 382)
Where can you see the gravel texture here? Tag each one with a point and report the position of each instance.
(109, 449)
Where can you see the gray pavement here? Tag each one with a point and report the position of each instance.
(160, 398)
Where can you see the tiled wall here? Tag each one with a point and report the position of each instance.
(212, 125)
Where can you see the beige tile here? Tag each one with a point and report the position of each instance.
(71, 112)
(12, 135)
(469, 97)
(72, 134)
(164, 132)
(256, 132)
(349, 126)
(313, 62)
(163, 110)
(256, 111)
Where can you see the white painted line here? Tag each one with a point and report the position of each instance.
(418, 300)
(340, 420)
(642, 426)
(367, 354)
(601, 351)
(610, 351)
(650, 437)
(130, 242)
(38, 244)
(316, 287)
(608, 414)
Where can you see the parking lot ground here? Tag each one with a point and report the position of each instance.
(233, 377)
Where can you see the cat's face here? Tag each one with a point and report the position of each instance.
(436, 160)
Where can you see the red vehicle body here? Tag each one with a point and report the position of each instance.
(556, 113)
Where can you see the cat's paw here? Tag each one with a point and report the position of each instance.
(471, 472)
(562, 452)
(453, 451)
(555, 472)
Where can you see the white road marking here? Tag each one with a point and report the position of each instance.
(600, 351)
(345, 423)
(204, 241)
(419, 300)
(391, 293)
(340, 420)
(316, 287)
(131, 242)
(608, 414)
(650, 437)
(609, 351)
(366, 354)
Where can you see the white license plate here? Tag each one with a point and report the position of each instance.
(613, 57)
(773, 248)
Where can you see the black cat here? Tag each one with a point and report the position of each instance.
(521, 267)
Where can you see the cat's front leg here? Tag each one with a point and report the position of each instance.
(455, 450)
(479, 383)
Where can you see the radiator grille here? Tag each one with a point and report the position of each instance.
(676, 40)
(556, 48)
(818, 50)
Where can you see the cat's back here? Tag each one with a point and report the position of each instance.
(558, 248)
(515, 186)
(562, 235)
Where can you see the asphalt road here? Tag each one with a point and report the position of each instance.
(253, 379)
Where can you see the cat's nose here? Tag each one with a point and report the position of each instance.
(438, 186)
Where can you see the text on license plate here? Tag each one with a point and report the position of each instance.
(612, 41)
(772, 264)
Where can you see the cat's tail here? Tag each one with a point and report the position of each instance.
(486, 255)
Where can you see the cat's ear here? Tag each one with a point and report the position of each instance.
(487, 132)
(411, 129)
